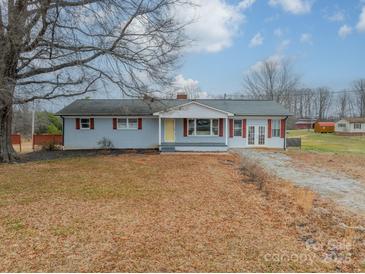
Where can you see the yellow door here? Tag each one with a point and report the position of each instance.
(169, 130)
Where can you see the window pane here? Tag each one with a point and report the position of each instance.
(203, 127)
(85, 123)
(357, 126)
(132, 123)
(122, 123)
(275, 132)
(237, 127)
(215, 127)
(191, 126)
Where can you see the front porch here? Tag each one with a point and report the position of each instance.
(193, 127)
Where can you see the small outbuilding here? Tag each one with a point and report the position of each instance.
(305, 123)
(351, 126)
(324, 127)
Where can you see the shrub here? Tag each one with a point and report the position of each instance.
(105, 143)
(253, 172)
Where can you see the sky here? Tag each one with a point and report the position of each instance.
(323, 39)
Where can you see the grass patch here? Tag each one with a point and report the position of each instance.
(329, 142)
(14, 225)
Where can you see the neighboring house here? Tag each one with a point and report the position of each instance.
(324, 127)
(305, 123)
(174, 124)
(351, 126)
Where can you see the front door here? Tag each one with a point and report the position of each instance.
(169, 130)
(256, 135)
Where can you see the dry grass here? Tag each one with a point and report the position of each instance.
(350, 164)
(164, 213)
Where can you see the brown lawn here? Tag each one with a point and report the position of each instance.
(166, 213)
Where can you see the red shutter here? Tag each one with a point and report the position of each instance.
(220, 127)
(91, 123)
(185, 127)
(282, 128)
(269, 128)
(139, 123)
(77, 123)
(114, 123)
(231, 128)
(244, 128)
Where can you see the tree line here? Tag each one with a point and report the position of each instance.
(275, 80)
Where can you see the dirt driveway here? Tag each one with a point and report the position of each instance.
(339, 187)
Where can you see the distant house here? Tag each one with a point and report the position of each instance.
(324, 127)
(305, 123)
(174, 124)
(351, 126)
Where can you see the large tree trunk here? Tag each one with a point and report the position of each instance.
(7, 152)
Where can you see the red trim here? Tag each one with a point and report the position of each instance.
(231, 128)
(220, 127)
(139, 123)
(91, 123)
(114, 123)
(269, 128)
(282, 128)
(185, 127)
(244, 128)
(77, 121)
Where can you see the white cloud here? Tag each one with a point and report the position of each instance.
(293, 6)
(337, 16)
(276, 58)
(182, 84)
(214, 24)
(306, 38)
(361, 24)
(256, 41)
(278, 32)
(344, 31)
(283, 45)
(245, 4)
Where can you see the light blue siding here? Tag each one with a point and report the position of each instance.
(147, 137)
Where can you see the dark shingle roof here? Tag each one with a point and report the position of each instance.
(139, 107)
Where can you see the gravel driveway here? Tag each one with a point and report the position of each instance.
(340, 188)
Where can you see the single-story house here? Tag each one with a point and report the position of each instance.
(351, 126)
(174, 124)
(324, 127)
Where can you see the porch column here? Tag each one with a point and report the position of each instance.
(159, 131)
(227, 131)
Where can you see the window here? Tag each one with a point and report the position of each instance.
(85, 123)
(275, 128)
(357, 125)
(127, 123)
(342, 125)
(215, 127)
(191, 126)
(203, 127)
(237, 128)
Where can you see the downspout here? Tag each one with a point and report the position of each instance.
(63, 132)
(286, 118)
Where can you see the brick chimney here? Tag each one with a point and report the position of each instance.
(181, 95)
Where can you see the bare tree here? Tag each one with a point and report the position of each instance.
(359, 87)
(323, 102)
(343, 105)
(272, 80)
(60, 48)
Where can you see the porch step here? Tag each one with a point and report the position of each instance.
(165, 148)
